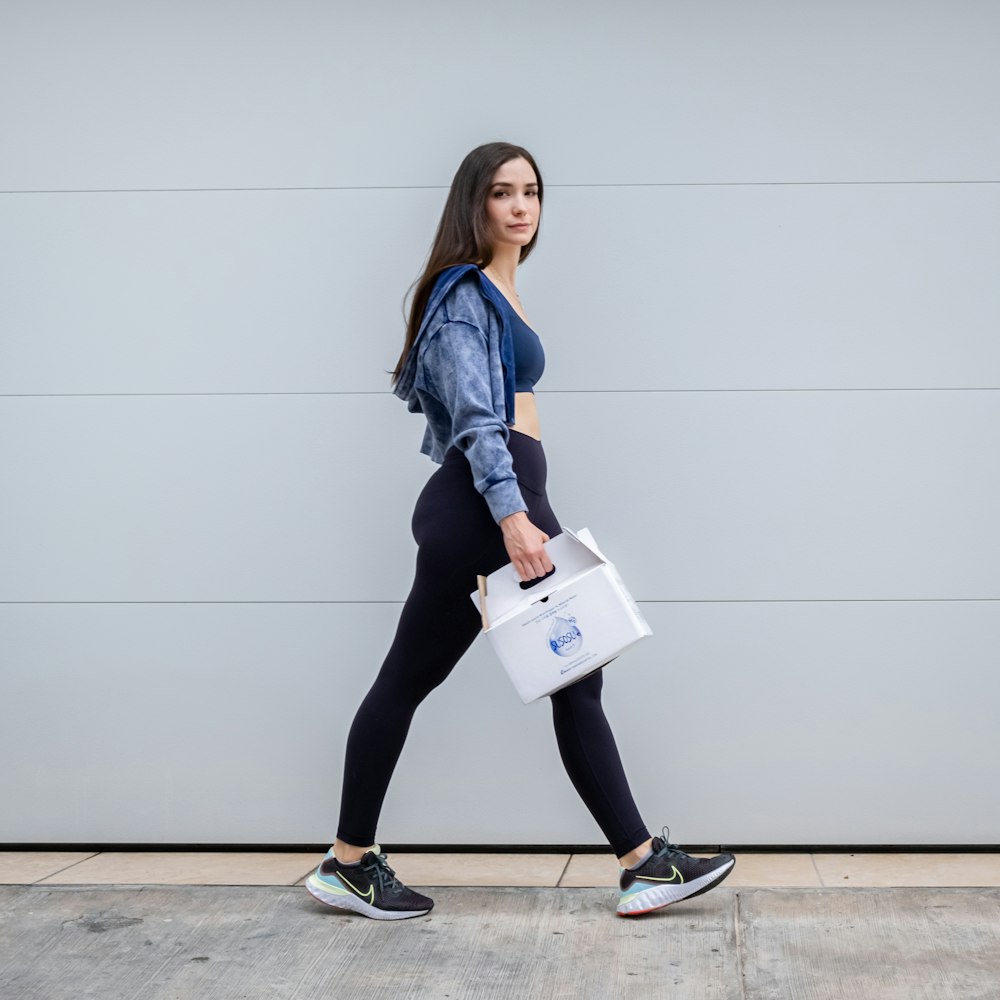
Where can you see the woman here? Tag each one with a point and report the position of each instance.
(469, 364)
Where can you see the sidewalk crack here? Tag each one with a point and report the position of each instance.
(64, 868)
(562, 874)
(819, 874)
(738, 929)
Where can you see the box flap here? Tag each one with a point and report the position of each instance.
(570, 554)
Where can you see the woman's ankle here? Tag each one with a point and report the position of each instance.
(348, 854)
(636, 855)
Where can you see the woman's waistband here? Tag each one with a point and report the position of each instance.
(517, 442)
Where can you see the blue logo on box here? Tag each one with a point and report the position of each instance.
(565, 638)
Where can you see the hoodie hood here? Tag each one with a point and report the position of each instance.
(459, 373)
(434, 316)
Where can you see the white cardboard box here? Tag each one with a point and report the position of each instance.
(567, 625)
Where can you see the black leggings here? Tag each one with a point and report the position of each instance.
(457, 539)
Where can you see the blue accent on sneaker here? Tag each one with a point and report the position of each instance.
(370, 888)
(669, 876)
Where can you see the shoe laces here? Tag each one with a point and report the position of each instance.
(379, 871)
(667, 848)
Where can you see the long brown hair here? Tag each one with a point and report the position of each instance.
(463, 234)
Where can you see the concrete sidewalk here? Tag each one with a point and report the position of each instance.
(275, 943)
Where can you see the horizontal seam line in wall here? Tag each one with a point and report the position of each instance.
(639, 600)
(846, 388)
(444, 187)
(545, 392)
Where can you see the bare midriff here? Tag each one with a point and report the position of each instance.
(526, 415)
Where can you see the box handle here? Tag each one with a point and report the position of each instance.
(528, 584)
(524, 585)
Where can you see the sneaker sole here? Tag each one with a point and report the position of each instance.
(345, 901)
(658, 896)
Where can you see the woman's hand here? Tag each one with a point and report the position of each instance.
(524, 546)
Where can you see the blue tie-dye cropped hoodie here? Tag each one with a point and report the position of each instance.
(460, 374)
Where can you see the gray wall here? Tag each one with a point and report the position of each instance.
(767, 285)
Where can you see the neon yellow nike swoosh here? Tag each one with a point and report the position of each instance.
(370, 894)
(676, 877)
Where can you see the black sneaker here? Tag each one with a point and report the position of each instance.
(668, 876)
(370, 887)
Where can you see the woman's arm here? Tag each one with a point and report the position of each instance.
(457, 371)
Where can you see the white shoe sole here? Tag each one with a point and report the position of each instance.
(346, 901)
(657, 896)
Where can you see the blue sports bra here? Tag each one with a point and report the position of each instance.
(529, 357)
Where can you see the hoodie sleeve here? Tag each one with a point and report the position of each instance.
(457, 372)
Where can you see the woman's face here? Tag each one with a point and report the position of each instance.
(512, 205)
